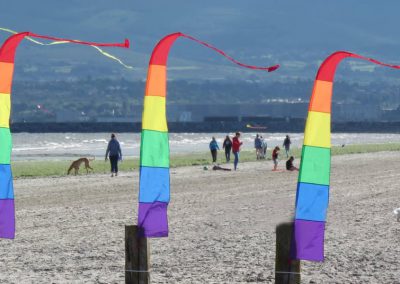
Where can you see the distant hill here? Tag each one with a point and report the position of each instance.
(296, 34)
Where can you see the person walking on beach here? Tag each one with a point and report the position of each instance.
(114, 153)
(286, 144)
(257, 145)
(227, 145)
(275, 155)
(264, 147)
(290, 166)
(236, 149)
(214, 148)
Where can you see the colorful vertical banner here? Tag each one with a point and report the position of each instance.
(7, 55)
(154, 188)
(314, 175)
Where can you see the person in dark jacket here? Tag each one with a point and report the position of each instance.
(214, 148)
(114, 153)
(228, 147)
(286, 144)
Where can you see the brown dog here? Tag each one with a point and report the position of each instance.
(76, 164)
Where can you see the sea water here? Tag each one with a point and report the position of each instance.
(64, 146)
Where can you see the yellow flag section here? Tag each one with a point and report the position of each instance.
(5, 109)
(318, 130)
(154, 114)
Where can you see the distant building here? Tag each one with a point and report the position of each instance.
(227, 112)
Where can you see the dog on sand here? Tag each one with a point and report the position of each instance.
(76, 164)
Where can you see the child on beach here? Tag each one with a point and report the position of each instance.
(275, 154)
(289, 164)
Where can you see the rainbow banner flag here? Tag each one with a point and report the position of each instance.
(314, 175)
(7, 55)
(154, 186)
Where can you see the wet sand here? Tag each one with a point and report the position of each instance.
(71, 229)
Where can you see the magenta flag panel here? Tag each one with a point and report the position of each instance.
(153, 219)
(309, 236)
(7, 218)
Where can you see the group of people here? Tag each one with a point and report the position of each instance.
(233, 145)
(261, 150)
(261, 147)
(228, 145)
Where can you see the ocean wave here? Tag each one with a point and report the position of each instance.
(62, 145)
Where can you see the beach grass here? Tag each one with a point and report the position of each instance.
(44, 168)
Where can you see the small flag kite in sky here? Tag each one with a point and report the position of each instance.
(63, 41)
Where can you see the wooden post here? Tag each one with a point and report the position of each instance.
(137, 258)
(287, 271)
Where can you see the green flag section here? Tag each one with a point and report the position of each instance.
(5, 146)
(315, 165)
(154, 150)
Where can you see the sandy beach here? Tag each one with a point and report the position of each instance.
(222, 226)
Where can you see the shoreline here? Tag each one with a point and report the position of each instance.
(51, 168)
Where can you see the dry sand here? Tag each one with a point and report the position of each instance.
(71, 229)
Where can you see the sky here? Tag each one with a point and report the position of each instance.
(296, 34)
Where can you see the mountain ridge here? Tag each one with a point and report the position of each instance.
(296, 34)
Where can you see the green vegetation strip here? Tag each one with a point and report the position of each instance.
(59, 168)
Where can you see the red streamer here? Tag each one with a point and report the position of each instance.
(124, 45)
(269, 69)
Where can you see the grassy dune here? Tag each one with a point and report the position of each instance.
(59, 168)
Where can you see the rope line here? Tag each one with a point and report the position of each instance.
(287, 272)
(137, 271)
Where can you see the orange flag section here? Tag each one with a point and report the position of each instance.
(321, 97)
(156, 81)
(318, 129)
(5, 108)
(6, 75)
(154, 114)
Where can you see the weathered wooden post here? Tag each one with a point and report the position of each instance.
(287, 271)
(137, 257)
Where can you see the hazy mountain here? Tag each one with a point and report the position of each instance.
(295, 34)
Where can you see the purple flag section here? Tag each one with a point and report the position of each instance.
(7, 219)
(153, 221)
(309, 240)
